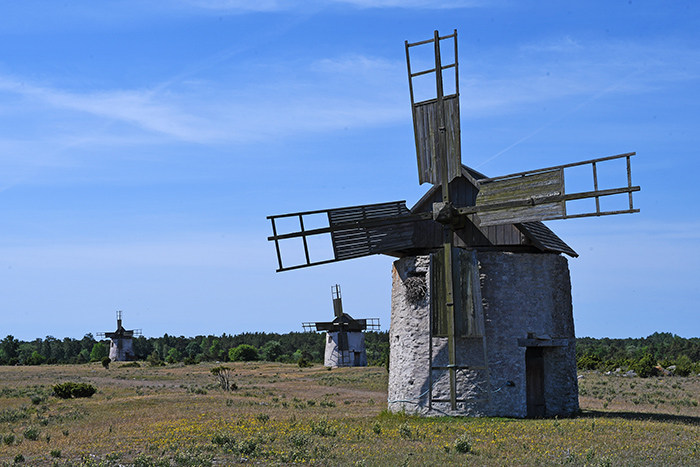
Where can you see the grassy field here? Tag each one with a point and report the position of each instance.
(285, 415)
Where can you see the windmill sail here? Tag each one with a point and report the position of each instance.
(520, 194)
(434, 117)
(337, 301)
(353, 232)
(539, 195)
(426, 128)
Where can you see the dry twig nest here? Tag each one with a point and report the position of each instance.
(416, 288)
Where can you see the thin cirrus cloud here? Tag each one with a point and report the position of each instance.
(356, 91)
(330, 97)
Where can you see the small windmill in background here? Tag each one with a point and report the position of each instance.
(345, 342)
(121, 346)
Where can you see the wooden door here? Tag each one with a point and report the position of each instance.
(534, 374)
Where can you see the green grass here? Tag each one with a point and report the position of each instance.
(284, 415)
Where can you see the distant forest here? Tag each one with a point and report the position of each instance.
(640, 354)
(286, 348)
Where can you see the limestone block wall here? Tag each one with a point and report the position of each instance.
(121, 350)
(355, 356)
(522, 295)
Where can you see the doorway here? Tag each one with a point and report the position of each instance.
(534, 375)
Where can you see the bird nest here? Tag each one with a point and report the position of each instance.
(416, 288)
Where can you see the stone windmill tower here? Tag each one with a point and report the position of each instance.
(481, 319)
(121, 341)
(345, 338)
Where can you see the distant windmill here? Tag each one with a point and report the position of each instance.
(121, 341)
(481, 320)
(345, 342)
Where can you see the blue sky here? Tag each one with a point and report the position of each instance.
(143, 144)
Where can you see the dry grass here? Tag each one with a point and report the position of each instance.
(284, 415)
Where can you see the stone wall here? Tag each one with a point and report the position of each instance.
(121, 350)
(356, 354)
(525, 300)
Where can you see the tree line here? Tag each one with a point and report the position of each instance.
(287, 348)
(643, 355)
(640, 354)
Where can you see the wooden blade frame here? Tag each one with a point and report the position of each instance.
(337, 301)
(539, 195)
(354, 231)
(436, 121)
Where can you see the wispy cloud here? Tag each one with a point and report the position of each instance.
(335, 93)
(142, 108)
(297, 98)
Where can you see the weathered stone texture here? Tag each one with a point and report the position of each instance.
(356, 355)
(120, 349)
(523, 295)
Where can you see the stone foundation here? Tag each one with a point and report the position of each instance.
(121, 350)
(356, 355)
(525, 303)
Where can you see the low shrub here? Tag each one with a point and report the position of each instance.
(304, 363)
(645, 367)
(8, 439)
(73, 390)
(589, 362)
(243, 353)
(463, 444)
(131, 365)
(684, 366)
(223, 376)
(31, 433)
(323, 427)
(13, 415)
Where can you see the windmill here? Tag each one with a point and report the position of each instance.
(121, 341)
(345, 343)
(463, 217)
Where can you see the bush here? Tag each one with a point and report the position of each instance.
(173, 356)
(83, 390)
(304, 363)
(35, 359)
(154, 359)
(74, 390)
(98, 351)
(589, 362)
(684, 366)
(31, 433)
(243, 353)
(105, 362)
(223, 375)
(271, 351)
(463, 444)
(130, 365)
(645, 366)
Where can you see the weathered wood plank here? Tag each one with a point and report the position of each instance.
(425, 115)
(518, 215)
